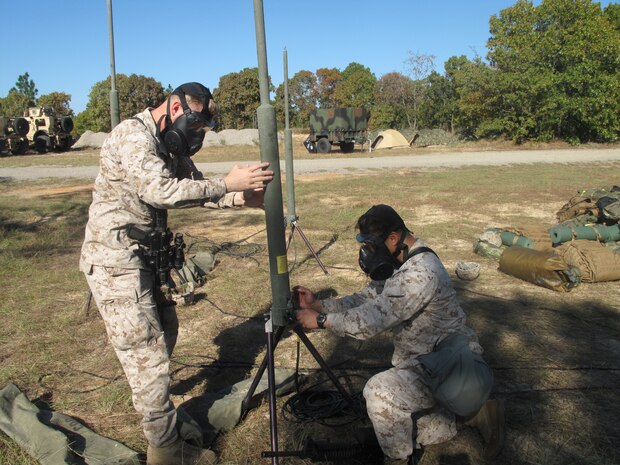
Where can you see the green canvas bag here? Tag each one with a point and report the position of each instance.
(459, 379)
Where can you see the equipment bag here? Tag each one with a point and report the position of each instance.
(596, 262)
(544, 269)
(585, 203)
(459, 379)
(197, 268)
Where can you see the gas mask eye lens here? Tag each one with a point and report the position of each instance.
(375, 260)
(197, 121)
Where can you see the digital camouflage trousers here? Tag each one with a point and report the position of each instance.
(142, 327)
(393, 398)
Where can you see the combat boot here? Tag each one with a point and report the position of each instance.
(388, 461)
(489, 421)
(413, 459)
(180, 453)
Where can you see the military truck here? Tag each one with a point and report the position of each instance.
(13, 135)
(344, 127)
(47, 131)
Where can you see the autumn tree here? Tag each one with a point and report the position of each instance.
(58, 101)
(238, 97)
(302, 91)
(356, 88)
(135, 93)
(302, 98)
(327, 79)
(393, 101)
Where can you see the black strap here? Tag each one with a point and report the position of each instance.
(415, 252)
(420, 250)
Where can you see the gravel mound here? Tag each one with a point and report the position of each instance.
(224, 137)
(231, 137)
(90, 139)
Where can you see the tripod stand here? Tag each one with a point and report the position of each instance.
(296, 227)
(293, 220)
(268, 363)
(279, 315)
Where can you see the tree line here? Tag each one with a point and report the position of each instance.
(551, 72)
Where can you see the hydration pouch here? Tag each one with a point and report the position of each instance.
(459, 379)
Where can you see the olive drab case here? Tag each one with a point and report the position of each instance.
(459, 379)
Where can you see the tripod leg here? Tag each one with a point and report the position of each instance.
(305, 239)
(245, 406)
(315, 353)
(273, 414)
(290, 236)
(88, 301)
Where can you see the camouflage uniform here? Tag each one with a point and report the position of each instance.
(141, 324)
(393, 396)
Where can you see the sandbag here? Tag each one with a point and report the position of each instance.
(222, 410)
(544, 269)
(596, 262)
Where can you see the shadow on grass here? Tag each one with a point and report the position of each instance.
(237, 355)
(555, 361)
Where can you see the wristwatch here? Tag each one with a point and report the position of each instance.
(320, 320)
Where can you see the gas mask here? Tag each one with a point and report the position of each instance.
(184, 136)
(376, 260)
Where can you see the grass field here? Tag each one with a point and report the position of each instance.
(555, 356)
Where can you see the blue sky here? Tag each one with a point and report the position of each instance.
(64, 45)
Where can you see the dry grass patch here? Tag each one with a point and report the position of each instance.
(555, 356)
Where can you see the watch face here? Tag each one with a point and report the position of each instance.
(320, 320)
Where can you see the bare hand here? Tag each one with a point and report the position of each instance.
(242, 178)
(305, 298)
(307, 318)
(254, 198)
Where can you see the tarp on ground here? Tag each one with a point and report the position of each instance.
(389, 139)
(53, 438)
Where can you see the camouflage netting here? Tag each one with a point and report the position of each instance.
(586, 240)
(422, 137)
(427, 137)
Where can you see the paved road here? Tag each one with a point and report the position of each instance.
(346, 165)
